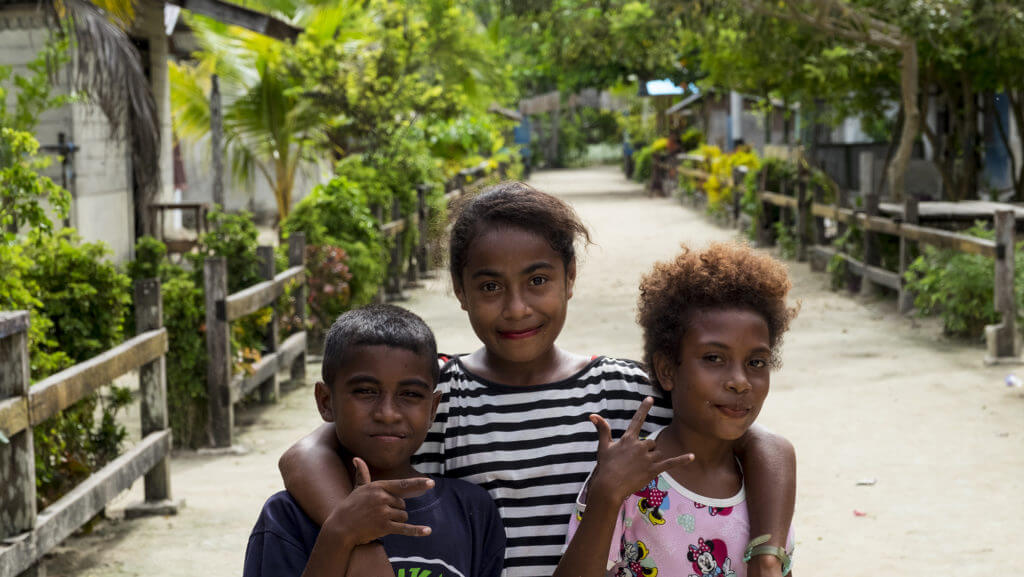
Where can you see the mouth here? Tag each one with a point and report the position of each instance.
(520, 334)
(733, 411)
(388, 437)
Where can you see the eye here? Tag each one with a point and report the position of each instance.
(364, 391)
(490, 286)
(713, 358)
(412, 394)
(538, 281)
(759, 363)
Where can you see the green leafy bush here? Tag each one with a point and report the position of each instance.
(329, 291)
(184, 318)
(337, 214)
(85, 299)
(645, 160)
(960, 287)
(785, 240)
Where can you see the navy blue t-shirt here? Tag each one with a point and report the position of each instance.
(467, 538)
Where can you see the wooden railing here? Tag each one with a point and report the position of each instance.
(800, 204)
(25, 534)
(223, 388)
(401, 274)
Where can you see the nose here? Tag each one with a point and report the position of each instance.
(516, 307)
(385, 410)
(737, 381)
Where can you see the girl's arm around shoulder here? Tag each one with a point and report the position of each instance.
(769, 470)
(314, 474)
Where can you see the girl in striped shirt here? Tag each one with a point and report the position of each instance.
(514, 414)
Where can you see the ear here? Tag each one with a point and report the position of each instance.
(664, 371)
(323, 401)
(433, 407)
(570, 278)
(460, 293)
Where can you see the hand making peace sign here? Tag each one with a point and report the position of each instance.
(627, 465)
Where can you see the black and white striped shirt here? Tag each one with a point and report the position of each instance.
(532, 447)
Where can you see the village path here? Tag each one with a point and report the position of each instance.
(863, 394)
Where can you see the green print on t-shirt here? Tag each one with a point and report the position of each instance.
(417, 572)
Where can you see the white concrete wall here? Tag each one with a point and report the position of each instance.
(22, 37)
(256, 196)
(102, 209)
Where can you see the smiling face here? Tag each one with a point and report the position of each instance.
(516, 289)
(722, 377)
(382, 403)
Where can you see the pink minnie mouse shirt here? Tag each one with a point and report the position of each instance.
(670, 531)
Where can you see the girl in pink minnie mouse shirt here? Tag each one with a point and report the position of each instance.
(674, 504)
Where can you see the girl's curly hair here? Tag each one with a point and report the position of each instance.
(724, 276)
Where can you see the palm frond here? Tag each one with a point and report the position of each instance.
(109, 71)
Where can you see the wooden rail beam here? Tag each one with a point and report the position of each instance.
(61, 519)
(244, 383)
(252, 299)
(60, 391)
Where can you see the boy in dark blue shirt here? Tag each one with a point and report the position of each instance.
(379, 374)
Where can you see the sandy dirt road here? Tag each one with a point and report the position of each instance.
(863, 394)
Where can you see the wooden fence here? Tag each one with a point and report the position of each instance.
(223, 388)
(401, 274)
(25, 534)
(801, 205)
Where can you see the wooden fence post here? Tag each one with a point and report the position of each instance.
(270, 389)
(17, 456)
(378, 213)
(1001, 339)
(149, 316)
(818, 197)
(765, 224)
(297, 257)
(412, 268)
(218, 351)
(739, 174)
(802, 214)
(423, 250)
(872, 255)
(394, 274)
(911, 215)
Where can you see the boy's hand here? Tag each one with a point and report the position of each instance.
(627, 465)
(376, 508)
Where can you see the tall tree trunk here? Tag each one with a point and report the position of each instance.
(1015, 179)
(1017, 109)
(969, 185)
(911, 121)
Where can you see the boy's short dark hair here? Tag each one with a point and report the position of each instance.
(378, 325)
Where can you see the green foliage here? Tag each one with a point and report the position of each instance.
(234, 237)
(960, 287)
(645, 159)
(184, 315)
(785, 239)
(691, 138)
(83, 299)
(84, 295)
(329, 291)
(337, 214)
